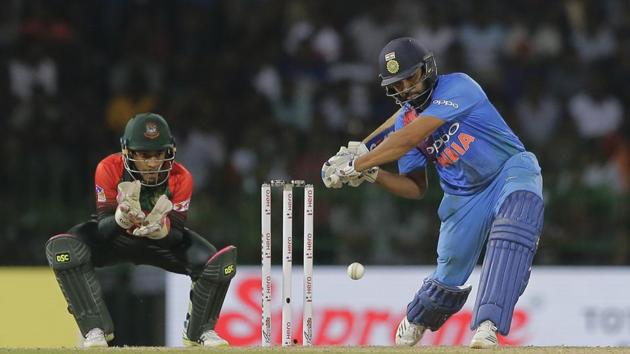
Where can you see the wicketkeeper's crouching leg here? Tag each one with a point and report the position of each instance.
(70, 259)
(206, 298)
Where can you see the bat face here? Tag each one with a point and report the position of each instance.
(379, 137)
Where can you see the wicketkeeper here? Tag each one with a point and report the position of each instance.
(142, 200)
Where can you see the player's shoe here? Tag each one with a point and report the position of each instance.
(209, 338)
(408, 334)
(485, 336)
(94, 338)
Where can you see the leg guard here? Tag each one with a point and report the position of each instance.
(70, 259)
(208, 293)
(435, 302)
(511, 247)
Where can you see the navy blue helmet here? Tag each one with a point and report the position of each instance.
(402, 58)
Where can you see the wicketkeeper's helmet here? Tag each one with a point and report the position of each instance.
(400, 59)
(148, 132)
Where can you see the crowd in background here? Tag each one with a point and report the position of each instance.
(262, 89)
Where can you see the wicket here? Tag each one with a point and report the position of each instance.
(287, 261)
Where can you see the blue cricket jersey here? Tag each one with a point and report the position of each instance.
(469, 149)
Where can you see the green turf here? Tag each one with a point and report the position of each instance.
(314, 350)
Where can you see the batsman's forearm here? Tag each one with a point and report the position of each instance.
(391, 149)
(400, 185)
(398, 143)
(381, 155)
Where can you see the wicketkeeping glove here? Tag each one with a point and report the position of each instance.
(128, 213)
(155, 224)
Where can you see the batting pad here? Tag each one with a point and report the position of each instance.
(509, 254)
(208, 293)
(435, 302)
(70, 259)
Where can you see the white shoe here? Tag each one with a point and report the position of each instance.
(94, 338)
(210, 338)
(408, 334)
(485, 336)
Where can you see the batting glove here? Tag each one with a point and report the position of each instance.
(330, 179)
(129, 213)
(359, 149)
(345, 167)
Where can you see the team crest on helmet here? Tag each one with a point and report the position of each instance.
(151, 130)
(392, 66)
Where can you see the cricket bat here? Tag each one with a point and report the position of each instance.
(380, 133)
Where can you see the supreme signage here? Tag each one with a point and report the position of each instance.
(561, 306)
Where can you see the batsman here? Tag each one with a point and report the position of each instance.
(142, 200)
(492, 190)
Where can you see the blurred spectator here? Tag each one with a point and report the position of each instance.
(368, 31)
(596, 111)
(30, 68)
(133, 99)
(601, 172)
(534, 37)
(41, 23)
(203, 152)
(432, 31)
(538, 112)
(592, 36)
(483, 41)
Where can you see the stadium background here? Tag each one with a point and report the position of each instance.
(269, 89)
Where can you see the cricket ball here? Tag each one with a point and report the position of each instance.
(356, 271)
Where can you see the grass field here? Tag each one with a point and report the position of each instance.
(316, 350)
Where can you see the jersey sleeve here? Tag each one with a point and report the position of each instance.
(454, 97)
(411, 161)
(106, 180)
(182, 192)
(181, 188)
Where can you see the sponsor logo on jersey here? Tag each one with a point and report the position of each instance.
(100, 194)
(447, 147)
(182, 206)
(445, 103)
